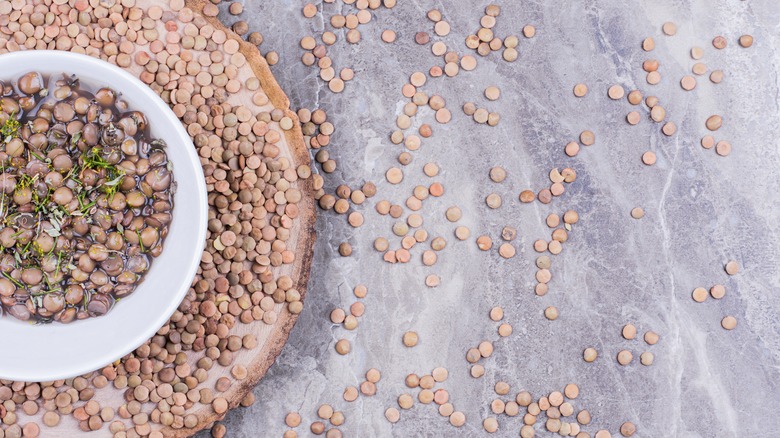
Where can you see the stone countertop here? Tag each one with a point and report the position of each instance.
(701, 211)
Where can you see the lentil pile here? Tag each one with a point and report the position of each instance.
(254, 264)
(86, 198)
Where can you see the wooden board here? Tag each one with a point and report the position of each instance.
(271, 338)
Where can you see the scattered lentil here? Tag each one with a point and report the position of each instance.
(625, 357)
(580, 90)
(651, 338)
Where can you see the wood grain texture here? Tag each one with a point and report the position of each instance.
(270, 342)
(271, 338)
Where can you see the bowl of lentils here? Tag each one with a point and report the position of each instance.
(103, 214)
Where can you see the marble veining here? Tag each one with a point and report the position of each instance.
(701, 211)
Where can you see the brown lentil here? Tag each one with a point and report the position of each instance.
(625, 357)
(590, 354)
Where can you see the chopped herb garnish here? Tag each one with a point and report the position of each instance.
(10, 128)
(13, 280)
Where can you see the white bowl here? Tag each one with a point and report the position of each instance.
(45, 352)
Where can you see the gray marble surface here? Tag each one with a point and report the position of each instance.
(701, 211)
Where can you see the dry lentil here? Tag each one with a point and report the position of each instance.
(629, 331)
(590, 354)
(625, 357)
(342, 346)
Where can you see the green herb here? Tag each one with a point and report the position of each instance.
(37, 248)
(93, 160)
(45, 292)
(86, 208)
(40, 158)
(75, 170)
(110, 187)
(26, 248)
(41, 205)
(2, 203)
(75, 138)
(13, 280)
(59, 261)
(9, 220)
(26, 180)
(140, 242)
(10, 128)
(81, 196)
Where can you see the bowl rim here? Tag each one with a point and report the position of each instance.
(178, 135)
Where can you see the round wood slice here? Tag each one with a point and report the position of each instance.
(271, 338)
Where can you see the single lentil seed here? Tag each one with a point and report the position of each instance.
(625, 357)
(699, 294)
(571, 391)
(587, 138)
(629, 331)
(723, 148)
(716, 76)
(410, 339)
(388, 36)
(718, 291)
(651, 338)
(688, 83)
(714, 122)
(627, 429)
(342, 347)
(392, 415)
(616, 92)
(492, 93)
